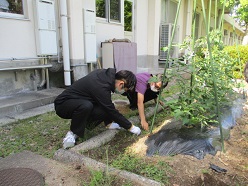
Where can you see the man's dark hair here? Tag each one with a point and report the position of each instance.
(128, 77)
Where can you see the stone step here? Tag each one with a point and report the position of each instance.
(23, 101)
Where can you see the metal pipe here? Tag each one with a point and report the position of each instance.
(21, 59)
(65, 42)
(25, 67)
(43, 76)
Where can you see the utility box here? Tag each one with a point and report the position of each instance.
(45, 27)
(89, 17)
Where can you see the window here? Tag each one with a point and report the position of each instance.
(128, 9)
(11, 8)
(168, 11)
(225, 32)
(109, 9)
(197, 23)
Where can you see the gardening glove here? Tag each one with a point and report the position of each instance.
(135, 130)
(113, 126)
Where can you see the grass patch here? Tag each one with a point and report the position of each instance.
(156, 171)
(41, 134)
(100, 178)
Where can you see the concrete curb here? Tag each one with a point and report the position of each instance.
(73, 156)
(68, 156)
(96, 141)
(108, 135)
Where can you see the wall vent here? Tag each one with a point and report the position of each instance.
(165, 39)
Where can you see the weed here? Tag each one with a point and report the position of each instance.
(99, 178)
(204, 171)
(139, 166)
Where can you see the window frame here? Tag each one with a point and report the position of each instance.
(14, 15)
(107, 18)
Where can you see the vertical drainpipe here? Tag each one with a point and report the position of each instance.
(65, 42)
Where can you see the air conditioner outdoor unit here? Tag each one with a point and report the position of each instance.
(165, 39)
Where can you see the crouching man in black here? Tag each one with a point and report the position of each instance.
(87, 102)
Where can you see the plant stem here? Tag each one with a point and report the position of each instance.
(167, 59)
(213, 76)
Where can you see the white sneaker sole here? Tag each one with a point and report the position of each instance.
(67, 145)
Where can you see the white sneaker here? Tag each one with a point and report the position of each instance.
(69, 140)
(113, 126)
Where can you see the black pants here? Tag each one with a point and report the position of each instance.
(83, 114)
(133, 98)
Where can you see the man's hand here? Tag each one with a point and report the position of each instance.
(161, 103)
(144, 125)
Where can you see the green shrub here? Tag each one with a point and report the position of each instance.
(239, 57)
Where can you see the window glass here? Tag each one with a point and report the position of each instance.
(128, 5)
(109, 9)
(115, 10)
(172, 11)
(169, 11)
(100, 8)
(225, 32)
(11, 6)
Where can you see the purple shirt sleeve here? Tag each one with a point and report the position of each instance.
(142, 80)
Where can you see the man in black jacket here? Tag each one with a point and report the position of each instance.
(88, 102)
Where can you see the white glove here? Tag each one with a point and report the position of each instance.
(113, 126)
(135, 130)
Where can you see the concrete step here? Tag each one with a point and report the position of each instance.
(23, 101)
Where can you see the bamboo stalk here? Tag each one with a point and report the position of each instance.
(193, 47)
(213, 77)
(167, 59)
(209, 15)
(215, 17)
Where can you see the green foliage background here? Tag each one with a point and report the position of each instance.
(196, 104)
(238, 58)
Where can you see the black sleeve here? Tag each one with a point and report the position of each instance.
(103, 98)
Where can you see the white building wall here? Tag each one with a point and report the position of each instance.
(17, 36)
(106, 31)
(141, 26)
(182, 21)
(154, 19)
(76, 31)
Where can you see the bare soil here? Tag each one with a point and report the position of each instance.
(188, 170)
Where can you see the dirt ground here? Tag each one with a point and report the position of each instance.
(188, 170)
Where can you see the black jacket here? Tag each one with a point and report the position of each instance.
(96, 87)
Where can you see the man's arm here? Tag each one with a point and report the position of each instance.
(141, 109)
